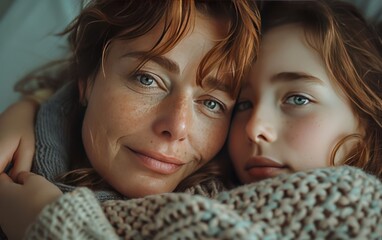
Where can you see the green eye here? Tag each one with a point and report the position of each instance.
(297, 100)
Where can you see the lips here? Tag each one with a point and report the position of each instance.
(260, 168)
(158, 163)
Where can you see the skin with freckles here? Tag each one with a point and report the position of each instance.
(156, 126)
(289, 115)
(156, 86)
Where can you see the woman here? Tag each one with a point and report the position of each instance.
(155, 89)
(151, 94)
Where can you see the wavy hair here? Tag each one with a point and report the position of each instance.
(351, 49)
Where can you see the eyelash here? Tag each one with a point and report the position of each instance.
(245, 105)
(138, 76)
(297, 97)
(242, 106)
(218, 103)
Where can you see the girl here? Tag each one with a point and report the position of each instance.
(313, 98)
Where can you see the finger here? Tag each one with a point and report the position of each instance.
(24, 176)
(5, 178)
(23, 158)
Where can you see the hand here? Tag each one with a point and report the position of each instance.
(21, 202)
(17, 142)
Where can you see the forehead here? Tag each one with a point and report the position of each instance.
(287, 44)
(285, 49)
(169, 36)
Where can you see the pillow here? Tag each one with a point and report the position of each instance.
(28, 38)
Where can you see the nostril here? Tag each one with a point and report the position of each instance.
(166, 134)
(260, 138)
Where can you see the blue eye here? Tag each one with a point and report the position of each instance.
(297, 100)
(145, 79)
(242, 106)
(212, 105)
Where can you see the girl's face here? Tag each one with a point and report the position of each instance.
(290, 115)
(144, 132)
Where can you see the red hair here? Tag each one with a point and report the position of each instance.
(351, 49)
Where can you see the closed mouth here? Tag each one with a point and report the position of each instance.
(260, 168)
(262, 162)
(158, 163)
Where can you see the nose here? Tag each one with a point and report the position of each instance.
(260, 128)
(174, 119)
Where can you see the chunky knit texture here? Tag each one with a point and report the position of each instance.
(332, 203)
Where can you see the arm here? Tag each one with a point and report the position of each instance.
(21, 201)
(17, 142)
(75, 215)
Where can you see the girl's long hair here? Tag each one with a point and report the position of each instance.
(352, 51)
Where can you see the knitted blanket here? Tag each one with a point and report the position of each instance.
(332, 203)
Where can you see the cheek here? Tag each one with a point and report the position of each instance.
(210, 138)
(106, 120)
(118, 111)
(239, 146)
(311, 140)
(97, 138)
(236, 138)
(302, 132)
(106, 115)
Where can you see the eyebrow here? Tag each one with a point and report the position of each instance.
(214, 83)
(165, 62)
(170, 65)
(294, 76)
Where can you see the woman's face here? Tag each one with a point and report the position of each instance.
(144, 132)
(289, 115)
